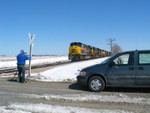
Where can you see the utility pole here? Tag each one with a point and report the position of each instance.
(31, 46)
(110, 42)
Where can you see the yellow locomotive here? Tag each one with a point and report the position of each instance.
(79, 51)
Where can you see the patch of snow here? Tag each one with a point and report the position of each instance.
(44, 108)
(117, 98)
(64, 73)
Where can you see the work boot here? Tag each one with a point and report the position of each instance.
(20, 79)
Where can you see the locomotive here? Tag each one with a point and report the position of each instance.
(79, 51)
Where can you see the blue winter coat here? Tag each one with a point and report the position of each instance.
(21, 58)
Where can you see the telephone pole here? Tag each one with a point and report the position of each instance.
(110, 42)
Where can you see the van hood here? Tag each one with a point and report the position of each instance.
(91, 67)
(95, 69)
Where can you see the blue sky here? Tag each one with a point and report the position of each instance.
(57, 23)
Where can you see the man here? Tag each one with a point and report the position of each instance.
(21, 61)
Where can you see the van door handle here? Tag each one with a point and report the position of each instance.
(131, 68)
(140, 68)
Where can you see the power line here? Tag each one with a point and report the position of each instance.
(110, 42)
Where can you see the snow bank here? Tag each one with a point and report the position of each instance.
(44, 108)
(116, 98)
(89, 98)
(64, 73)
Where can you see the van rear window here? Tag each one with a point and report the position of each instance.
(144, 58)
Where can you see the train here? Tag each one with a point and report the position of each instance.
(80, 51)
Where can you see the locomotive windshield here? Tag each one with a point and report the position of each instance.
(76, 44)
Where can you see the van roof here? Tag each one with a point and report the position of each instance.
(136, 50)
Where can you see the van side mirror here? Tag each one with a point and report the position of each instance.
(112, 63)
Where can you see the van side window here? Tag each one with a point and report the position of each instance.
(144, 58)
(125, 59)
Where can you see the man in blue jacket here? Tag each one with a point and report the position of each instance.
(21, 61)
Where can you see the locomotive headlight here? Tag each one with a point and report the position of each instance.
(83, 73)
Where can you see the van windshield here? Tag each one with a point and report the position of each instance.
(108, 59)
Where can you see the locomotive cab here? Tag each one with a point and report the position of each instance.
(75, 51)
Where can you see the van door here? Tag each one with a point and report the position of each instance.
(121, 71)
(143, 69)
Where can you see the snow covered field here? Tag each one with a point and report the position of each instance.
(66, 73)
(11, 61)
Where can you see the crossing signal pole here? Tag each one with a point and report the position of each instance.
(32, 37)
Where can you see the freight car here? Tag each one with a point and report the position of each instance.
(79, 51)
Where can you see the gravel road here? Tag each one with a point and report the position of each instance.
(121, 100)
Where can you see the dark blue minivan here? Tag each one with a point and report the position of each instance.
(125, 69)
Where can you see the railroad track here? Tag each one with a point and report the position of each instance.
(14, 69)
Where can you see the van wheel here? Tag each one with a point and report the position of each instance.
(96, 84)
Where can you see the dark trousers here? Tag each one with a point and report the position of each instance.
(21, 72)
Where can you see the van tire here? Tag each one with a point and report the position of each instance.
(96, 84)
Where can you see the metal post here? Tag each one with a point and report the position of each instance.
(31, 46)
(110, 42)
